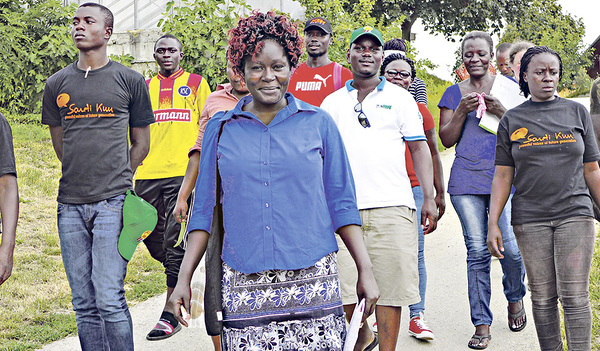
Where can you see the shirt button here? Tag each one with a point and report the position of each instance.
(265, 162)
(266, 204)
(266, 183)
(268, 227)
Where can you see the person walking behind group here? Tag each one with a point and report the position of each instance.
(417, 88)
(595, 115)
(318, 77)
(595, 106)
(223, 99)
(400, 70)
(555, 181)
(377, 120)
(503, 60)
(90, 106)
(595, 97)
(470, 186)
(515, 54)
(288, 155)
(9, 200)
(177, 100)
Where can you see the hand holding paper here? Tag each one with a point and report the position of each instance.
(355, 325)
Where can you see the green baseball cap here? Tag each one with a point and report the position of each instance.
(367, 30)
(139, 220)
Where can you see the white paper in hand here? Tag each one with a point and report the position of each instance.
(355, 324)
(509, 94)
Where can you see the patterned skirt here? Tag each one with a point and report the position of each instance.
(283, 310)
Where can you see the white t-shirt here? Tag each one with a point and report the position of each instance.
(377, 153)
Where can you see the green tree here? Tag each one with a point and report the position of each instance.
(450, 17)
(202, 27)
(544, 23)
(36, 44)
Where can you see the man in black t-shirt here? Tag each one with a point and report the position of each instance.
(91, 106)
(9, 200)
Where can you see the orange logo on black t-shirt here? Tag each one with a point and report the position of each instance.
(519, 134)
(86, 111)
(544, 140)
(62, 100)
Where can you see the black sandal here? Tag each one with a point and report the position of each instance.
(514, 316)
(479, 339)
(373, 343)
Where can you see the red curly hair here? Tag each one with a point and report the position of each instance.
(247, 39)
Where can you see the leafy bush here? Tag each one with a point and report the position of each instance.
(545, 23)
(581, 84)
(29, 118)
(125, 59)
(37, 44)
(202, 27)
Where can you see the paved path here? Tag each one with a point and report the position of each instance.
(447, 303)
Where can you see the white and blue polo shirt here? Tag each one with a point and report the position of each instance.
(377, 153)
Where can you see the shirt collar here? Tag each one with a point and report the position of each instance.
(225, 86)
(379, 86)
(294, 106)
(175, 74)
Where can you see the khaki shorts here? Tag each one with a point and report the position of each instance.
(390, 235)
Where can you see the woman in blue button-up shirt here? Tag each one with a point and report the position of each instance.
(286, 188)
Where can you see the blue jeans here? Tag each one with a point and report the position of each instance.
(96, 272)
(419, 307)
(472, 211)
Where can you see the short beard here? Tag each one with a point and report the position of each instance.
(313, 55)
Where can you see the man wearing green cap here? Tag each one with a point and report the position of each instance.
(377, 120)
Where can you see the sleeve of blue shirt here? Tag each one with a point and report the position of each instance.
(206, 183)
(337, 176)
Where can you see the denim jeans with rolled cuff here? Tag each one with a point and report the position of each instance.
(472, 211)
(89, 234)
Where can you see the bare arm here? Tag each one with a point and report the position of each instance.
(140, 145)
(56, 133)
(366, 287)
(196, 246)
(188, 184)
(596, 123)
(451, 121)
(9, 211)
(424, 170)
(591, 174)
(438, 172)
(501, 184)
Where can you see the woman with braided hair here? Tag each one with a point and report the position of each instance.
(285, 189)
(546, 148)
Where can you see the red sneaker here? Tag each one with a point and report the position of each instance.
(418, 328)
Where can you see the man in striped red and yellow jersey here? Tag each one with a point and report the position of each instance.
(177, 100)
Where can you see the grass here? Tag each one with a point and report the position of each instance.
(595, 295)
(435, 90)
(36, 300)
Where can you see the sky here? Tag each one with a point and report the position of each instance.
(441, 52)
